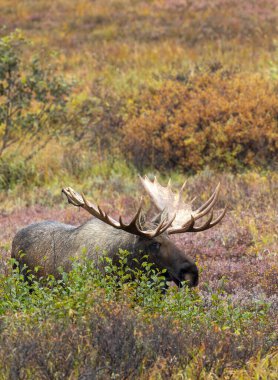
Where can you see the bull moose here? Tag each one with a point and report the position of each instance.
(50, 245)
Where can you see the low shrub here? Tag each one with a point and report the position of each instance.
(96, 119)
(114, 341)
(91, 325)
(33, 99)
(214, 117)
(13, 171)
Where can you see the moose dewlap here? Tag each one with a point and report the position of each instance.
(50, 245)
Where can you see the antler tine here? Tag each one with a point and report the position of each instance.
(136, 217)
(192, 200)
(220, 217)
(158, 229)
(162, 227)
(133, 227)
(91, 206)
(183, 186)
(169, 223)
(102, 213)
(181, 190)
(171, 203)
(204, 205)
(189, 227)
(99, 213)
(74, 199)
(208, 224)
(203, 210)
(185, 228)
(166, 223)
(95, 210)
(204, 226)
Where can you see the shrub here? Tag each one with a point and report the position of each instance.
(88, 324)
(214, 118)
(13, 171)
(96, 120)
(33, 101)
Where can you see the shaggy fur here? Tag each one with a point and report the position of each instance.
(51, 245)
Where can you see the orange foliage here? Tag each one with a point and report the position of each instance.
(215, 117)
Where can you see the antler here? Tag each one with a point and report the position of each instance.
(172, 204)
(133, 227)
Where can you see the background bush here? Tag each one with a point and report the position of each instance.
(33, 100)
(215, 117)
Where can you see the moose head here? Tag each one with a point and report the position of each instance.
(175, 217)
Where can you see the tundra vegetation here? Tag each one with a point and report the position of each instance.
(91, 93)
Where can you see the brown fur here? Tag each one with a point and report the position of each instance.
(51, 245)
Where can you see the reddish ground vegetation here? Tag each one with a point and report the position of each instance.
(113, 339)
(241, 249)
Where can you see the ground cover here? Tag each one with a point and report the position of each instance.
(169, 88)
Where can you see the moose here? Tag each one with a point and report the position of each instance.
(49, 245)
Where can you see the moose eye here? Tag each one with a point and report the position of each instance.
(155, 246)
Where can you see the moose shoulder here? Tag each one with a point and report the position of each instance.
(50, 245)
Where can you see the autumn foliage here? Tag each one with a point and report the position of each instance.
(216, 117)
(93, 93)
